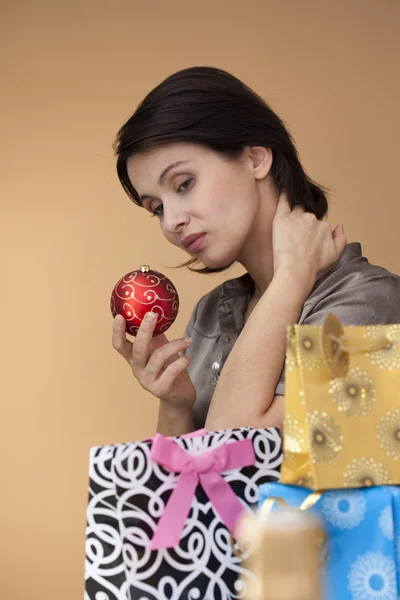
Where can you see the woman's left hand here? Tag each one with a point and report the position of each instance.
(303, 245)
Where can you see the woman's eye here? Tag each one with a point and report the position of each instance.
(156, 212)
(185, 185)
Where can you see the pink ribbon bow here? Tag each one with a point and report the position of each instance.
(204, 469)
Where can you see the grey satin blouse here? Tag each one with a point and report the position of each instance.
(356, 291)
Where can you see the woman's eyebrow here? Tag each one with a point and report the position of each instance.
(163, 176)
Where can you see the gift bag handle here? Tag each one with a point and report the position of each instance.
(336, 346)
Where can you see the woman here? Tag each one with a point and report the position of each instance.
(206, 156)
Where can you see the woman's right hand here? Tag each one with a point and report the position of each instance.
(156, 364)
(303, 245)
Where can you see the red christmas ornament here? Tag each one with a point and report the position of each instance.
(141, 291)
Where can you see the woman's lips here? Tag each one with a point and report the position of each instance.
(197, 245)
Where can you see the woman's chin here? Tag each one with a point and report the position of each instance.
(216, 262)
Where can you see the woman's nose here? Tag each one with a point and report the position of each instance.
(174, 220)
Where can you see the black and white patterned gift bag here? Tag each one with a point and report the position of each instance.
(130, 492)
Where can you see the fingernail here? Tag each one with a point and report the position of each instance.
(150, 316)
(117, 320)
(188, 340)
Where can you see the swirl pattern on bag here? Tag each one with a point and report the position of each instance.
(128, 493)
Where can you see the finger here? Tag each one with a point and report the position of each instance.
(167, 379)
(157, 341)
(141, 345)
(340, 240)
(298, 209)
(283, 206)
(119, 339)
(338, 231)
(164, 356)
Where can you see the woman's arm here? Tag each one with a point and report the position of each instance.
(246, 387)
(172, 421)
(303, 250)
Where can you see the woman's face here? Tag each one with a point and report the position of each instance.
(206, 194)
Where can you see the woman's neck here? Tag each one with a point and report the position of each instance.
(256, 256)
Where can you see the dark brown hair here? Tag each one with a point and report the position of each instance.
(210, 107)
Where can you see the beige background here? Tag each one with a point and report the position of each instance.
(71, 73)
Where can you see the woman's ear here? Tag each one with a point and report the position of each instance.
(261, 160)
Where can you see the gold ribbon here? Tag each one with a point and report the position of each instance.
(368, 346)
(308, 502)
(336, 346)
(265, 511)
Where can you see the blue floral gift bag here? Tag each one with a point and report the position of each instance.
(363, 538)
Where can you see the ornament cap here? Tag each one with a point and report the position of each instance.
(144, 268)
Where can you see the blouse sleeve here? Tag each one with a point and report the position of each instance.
(371, 302)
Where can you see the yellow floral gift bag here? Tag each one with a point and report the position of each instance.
(342, 407)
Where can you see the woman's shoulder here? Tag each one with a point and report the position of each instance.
(352, 270)
(357, 291)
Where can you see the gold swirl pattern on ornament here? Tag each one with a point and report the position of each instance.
(364, 472)
(161, 314)
(389, 433)
(129, 312)
(326, 438)
(293, 437)
(153, 280)
(150, 296)
(309, 346)
(385, 358)
(354, 395)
